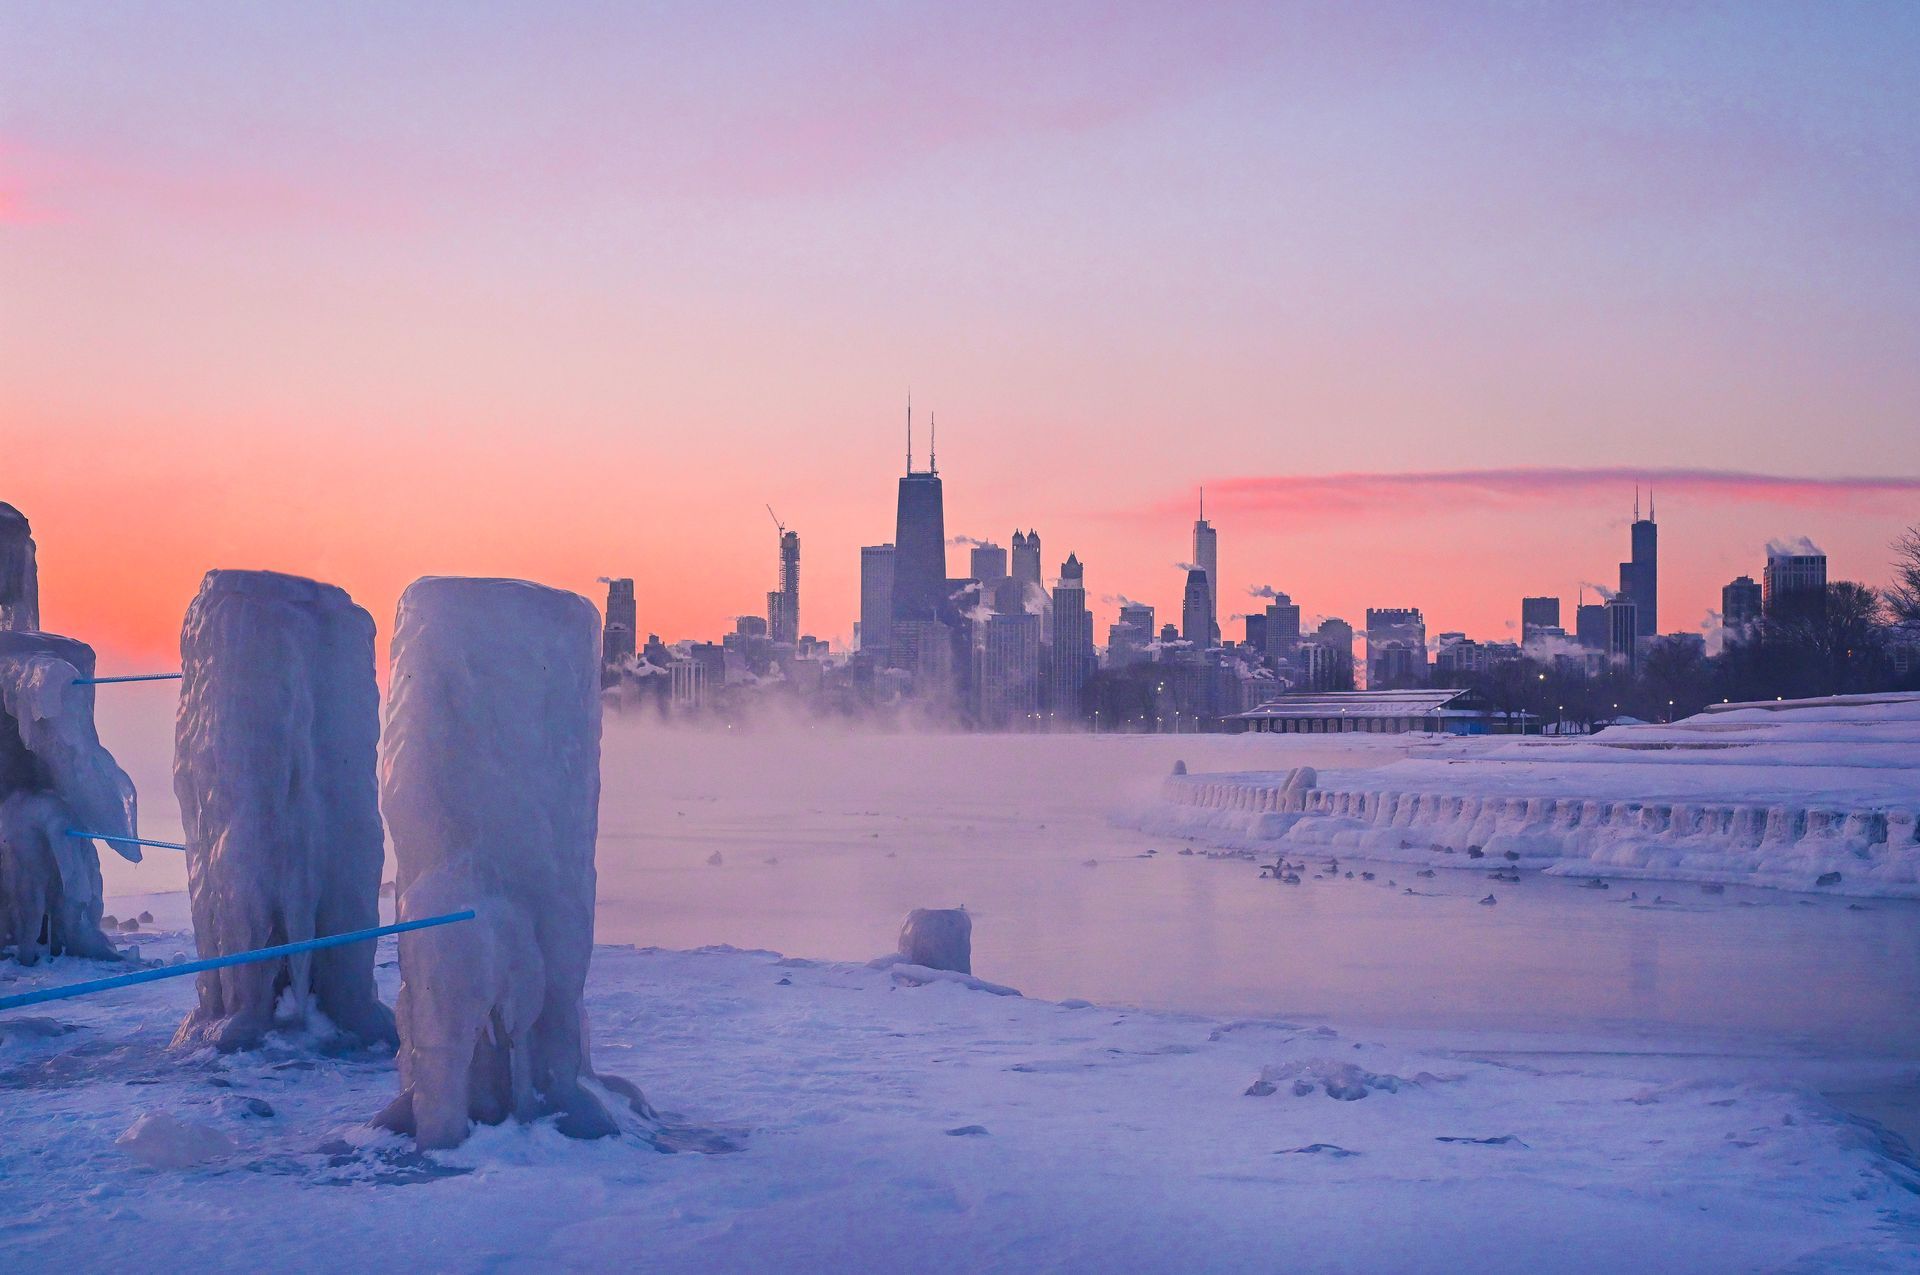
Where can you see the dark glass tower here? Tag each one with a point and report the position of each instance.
(919, 544)
(1640, 576)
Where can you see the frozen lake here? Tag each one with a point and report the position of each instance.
(826, 840)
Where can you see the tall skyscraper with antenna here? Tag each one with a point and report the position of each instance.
(1206, 557)
(919, 541)
(1640, 574)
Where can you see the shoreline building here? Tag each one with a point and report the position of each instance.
(1129, 637)
(1282, 627)
(1640, 575)
(1795, 580)
(1538, 613)
(1623, 631)
(1007, 684)
(988, 563)
(1742, 602)
(1196, 611)
(876, 599)
(1073, 655)
(1396, 648)
(620, 634)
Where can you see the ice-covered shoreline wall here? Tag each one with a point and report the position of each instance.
(275, 751)
(1807, 836)
(19, 575)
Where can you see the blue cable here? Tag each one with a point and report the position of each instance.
(221, 962)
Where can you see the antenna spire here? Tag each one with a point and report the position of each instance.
(1203, 502)
(1636, 502)
(933, 444)
(1649, 502)
(909, 431)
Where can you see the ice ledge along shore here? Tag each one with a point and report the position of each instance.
(1811, 795)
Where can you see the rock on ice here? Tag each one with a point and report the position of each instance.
(275, 752)
(54, 775)
(490, 779)
(938, 938)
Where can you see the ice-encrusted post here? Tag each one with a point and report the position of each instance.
(54, 775)
(274, 764)
(19, 578)
(490, 779)
(938, 938)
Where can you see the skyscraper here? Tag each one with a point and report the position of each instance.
(1026, 558)
(919, 542)
(1396, 648)
(1538, 613)
(876, 599)
(1008, 682)
(1741, 604)
(1073, 658)
(1795, 581)
(989, 562)
(1283, 626)
(1590, 625)
(783, 603)
(1196, 610)
(618, 634)
(1640, 575)
(1206, 556)
(1623, 630)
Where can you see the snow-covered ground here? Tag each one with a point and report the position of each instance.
(1813, 795)
(835, 1117)
(1681, 1078)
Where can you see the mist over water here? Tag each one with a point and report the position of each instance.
(863, 826)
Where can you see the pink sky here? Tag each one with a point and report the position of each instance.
(566, 293)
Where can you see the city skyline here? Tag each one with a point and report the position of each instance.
(1417, 295)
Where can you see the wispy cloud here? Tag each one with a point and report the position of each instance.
(1358, 493)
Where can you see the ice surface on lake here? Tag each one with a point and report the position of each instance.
(1813, 794)
(938, 938)
(19, 578)
(274, 764)
(54, 775)
(490, 779)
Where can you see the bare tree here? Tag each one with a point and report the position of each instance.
(1903, 596)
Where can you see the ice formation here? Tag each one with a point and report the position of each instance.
(490, 779)
(938, 938)
(1798, 795)
(54, 775)
(19, 578)
(275, 752)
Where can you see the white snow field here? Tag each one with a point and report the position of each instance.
(834, 1117)
(1682, 1076)
(1803, 795)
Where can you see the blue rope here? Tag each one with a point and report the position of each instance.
(221, 962)
(128, 677)
(133, 841)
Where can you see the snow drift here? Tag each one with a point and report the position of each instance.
(1801, 795)
(275, 750)
(54, 775)
(490, 778)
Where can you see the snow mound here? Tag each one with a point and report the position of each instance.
(162, 1141)
(490, 779)
(54, 775)
(1341, 1080)
(274, 755)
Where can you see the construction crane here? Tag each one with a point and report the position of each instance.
(779, 526)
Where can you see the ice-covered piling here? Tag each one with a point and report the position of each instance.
(490, 778)
(54, 775)
(938, 938)
(274, 764)
(19, 577)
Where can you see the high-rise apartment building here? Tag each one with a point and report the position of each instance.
(1538, 613)
(1073, 657)
(1742, 602)
(1795, 581)
(619, 635)
(876, 599)
(783, 602)
(988, 563)
(1396, 648)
